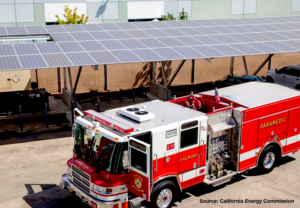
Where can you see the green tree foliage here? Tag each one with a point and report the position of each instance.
(183, 15)
(168, 17)
(71, 17)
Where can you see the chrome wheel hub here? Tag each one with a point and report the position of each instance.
(269, 160)
(164, 198)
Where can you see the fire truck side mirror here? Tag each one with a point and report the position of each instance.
(125, 159)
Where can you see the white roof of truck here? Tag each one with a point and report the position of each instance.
(253, 94)
(165, 113)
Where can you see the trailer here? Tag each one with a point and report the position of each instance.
(152, 151)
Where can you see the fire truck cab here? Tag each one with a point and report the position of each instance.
(154, 150)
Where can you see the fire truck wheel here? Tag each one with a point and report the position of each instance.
(270, 79)
(268, 159)
(163, 195)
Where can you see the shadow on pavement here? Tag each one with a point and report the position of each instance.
(51, 196)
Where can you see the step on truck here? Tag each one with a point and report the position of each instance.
(152, 151)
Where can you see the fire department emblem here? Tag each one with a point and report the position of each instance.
(138, 183)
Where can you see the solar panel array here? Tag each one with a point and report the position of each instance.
(113, 43)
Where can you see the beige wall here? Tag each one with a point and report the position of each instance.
(126, 76)
(9, 85)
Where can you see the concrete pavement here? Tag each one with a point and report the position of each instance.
(30, 173)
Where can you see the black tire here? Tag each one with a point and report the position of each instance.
(159, 188)
(270, 79)
(297, 87)
(266, 167)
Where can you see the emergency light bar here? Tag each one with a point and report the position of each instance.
(108, 121)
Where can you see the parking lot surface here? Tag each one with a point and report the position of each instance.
(31, 167)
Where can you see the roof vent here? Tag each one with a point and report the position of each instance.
(135, 114)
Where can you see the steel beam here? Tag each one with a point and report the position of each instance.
(263, 64)
(176, 72)
(245, 65)
(58, 81)
(232, 66)
(70, 79)
(105, 78)
(65, 78)
(193, 71)
(76, 82)
(270, 64)
(37, 78)
(164, 74)
(153, 71)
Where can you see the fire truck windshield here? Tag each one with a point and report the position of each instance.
(102, 153)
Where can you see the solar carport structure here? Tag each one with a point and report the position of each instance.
(117, 43)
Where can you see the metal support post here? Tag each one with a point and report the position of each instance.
(121, 95)
(21, 119)
(76, 82)
(37, 78)
(263, 64)
(70, 80)
(46, 113)
(176, 72)
(164, 74)
(108, 97)
(58, 81)
(270, 64)
(133, 94)
(105, 78)
(65, 78)
(98, 105)
(245, 65)
(232, 66)
(72, 110)
(193, 71)
(153, 72)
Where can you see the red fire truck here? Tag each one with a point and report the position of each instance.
(151, 151)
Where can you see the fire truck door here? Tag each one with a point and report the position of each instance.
(292, 131)
(139, 175)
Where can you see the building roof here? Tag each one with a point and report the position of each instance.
(115, 43)
(254, 94)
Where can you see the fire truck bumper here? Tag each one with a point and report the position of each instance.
(87, 198)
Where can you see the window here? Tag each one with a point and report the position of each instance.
(286, 70)
(189, 137)
(189, 124)
(138, 160)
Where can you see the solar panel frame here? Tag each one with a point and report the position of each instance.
(10, 63)
(7, 50)
(26, 49)
(147, 55)
(57, 60)
(48, 47)
(104, 57)
(81, 59)
(112, 45)
(126, 56)
(92, 46)
(208, 51)
(188, 52)
(82, 36)
(32, 61)
(69, 47)
(168, 54)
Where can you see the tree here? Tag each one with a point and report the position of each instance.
(183, 15)
(168, 17)
(71, 17)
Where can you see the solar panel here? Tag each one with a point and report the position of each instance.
(293, 25)
(189, 41)
(282, 47)
(224, 39)
(190, 23)
(104, 57)
(16, 30)
(7, 50)
(205, 23)
(57, 60)
(91, 27)
(282, 27)
(3, 31)
(152, 43)
(191, 31)
(168, 53)
(249, 20)
(26, 49)
(112, 45)
(36, 29)
(156, 33)
(227, 50)
(120, 34)
(238, 29)
(254, 28)
(290, 35)
(273, 36)
(171, 42)
(293, 43)
(173, 32)
(101, 35)
(92, 46)
(220, 22)
(263, 47)
(80, 36)
(81, 59)
(126, 26)
(143, 25)
(257, 37)
(208, 51)
(49, 47)
(264, 20)
(268, 28)
(70, 47)
(62, 37)
(132, 44)
(178, 24)
(188, 52)
(159, 24)
(55, 28)
(138, 34)
(241, 38)
(109, 26)
(147, 55)
(206, 30)
(32, 62)
(234, 21)
(207, 40)
(247, 50)
(73, 28)
(9, 63)
(126, 56)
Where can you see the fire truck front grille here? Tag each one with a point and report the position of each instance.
(80, 172)
(81, 179)
(84, 187)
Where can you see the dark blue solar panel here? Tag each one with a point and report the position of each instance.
(26, 49)
(7, 50)
(57, 60)
(81, 59)
(32, 62)
(9, 63)
(49, 47)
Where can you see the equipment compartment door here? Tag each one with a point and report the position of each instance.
(292, 132)
(139, 177)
